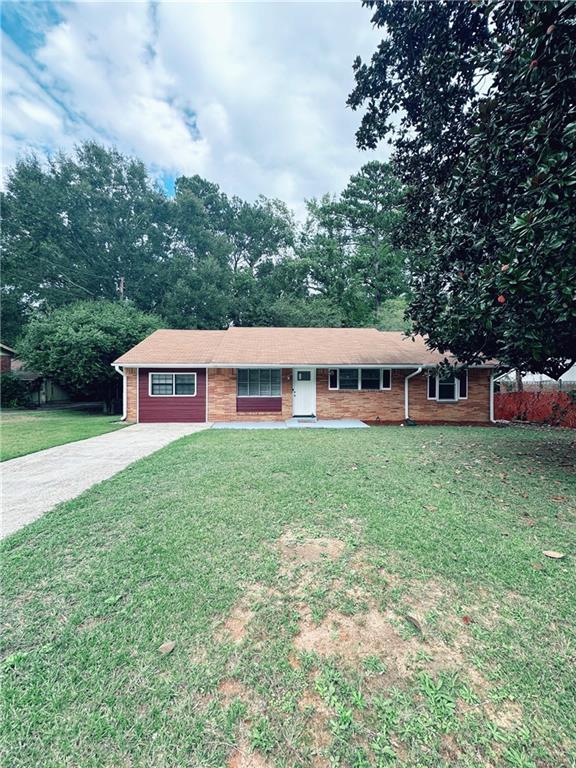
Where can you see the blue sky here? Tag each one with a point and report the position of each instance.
(250, 95)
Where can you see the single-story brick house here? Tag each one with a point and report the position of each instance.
(252, 374)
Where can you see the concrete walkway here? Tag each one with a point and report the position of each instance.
(33, 484)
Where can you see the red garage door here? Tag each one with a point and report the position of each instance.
(172, 395)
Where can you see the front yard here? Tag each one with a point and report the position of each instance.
(356, 598)
(23, 432)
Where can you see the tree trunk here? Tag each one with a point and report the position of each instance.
(519, 382)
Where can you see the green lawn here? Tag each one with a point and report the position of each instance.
(23, 432)
(350, 598)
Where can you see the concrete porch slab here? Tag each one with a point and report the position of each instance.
(326, 424)
(249, 425)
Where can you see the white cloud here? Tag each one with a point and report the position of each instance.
(250, 95)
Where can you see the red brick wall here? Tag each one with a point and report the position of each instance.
(222, 398)
(131, 401)
(388, 405)
(475, 409)
(385, 406)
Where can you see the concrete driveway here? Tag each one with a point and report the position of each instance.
(33, 484)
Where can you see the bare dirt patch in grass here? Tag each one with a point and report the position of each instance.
(506, 714)
(375, 634)
(351, 637)
(350, 612)
(317, 725)
(243, 757)
(234, 628)
(236, 624)
(298, 551)
(230, 689)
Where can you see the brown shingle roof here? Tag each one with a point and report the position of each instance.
(281, 346)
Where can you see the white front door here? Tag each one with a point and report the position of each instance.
(304, 389)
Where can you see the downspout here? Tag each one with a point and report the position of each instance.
(493, 379)
(120, 370)
(492, 397)
(406, 386)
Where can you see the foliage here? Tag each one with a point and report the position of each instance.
(392, 315)
(556, 408)
(371, 206)
(14, 392)
(93, 226)
(478, 99)
(348, 244)
(76, 344)
(75, 226)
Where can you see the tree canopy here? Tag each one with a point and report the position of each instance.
(93, 226)
(76, 344)
(478, 100)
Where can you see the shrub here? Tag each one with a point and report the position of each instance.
(14, 393)
(545, 407)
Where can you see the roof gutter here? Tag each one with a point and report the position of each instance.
(395, 366)
(120, 370)
(406, 388)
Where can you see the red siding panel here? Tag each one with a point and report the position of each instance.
(172, 409)
(258, 404)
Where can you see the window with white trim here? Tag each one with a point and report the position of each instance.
(448, 387)
(360, 378)
(259, 382)
(172, 384)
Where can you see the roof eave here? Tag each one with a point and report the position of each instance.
(358, 364)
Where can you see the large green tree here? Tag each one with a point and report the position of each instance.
(76, 344)
(479, 100)
(372, 207)
(349, 244)
(92, 225)
(194, 283)
(84, 226)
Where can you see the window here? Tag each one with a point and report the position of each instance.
(304, 376)
(185, 384)
(448, 387)
(370, 378)
(171, 384)
(161, 384)
(360, 378)
(463, 385)
(348, 378)
(259, 382)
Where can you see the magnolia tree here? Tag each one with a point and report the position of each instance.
(478, 99)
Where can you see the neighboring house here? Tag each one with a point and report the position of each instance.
(249, 374)
(42, 390)
(6, 357)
